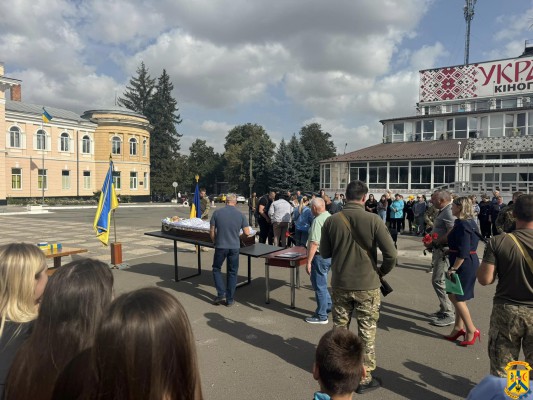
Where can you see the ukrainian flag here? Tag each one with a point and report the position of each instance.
(108, 202)
(46, 117)
(195, 208)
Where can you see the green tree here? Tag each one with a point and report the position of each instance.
(139, 92)
(241, 142)
(319, 146)
(283, 173)
(205, 162)
(164, 138)
(302, 169)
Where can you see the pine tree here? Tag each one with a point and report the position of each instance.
(303, 172)
(164, 138)
(139, 93)
(319, 146)
(282, 177)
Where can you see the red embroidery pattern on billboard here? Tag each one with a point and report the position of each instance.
(453, 83)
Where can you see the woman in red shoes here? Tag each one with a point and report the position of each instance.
(462, 242)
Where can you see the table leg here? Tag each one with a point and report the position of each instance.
(293, 286)
(267, 283)
(249, 269)
(298, 277)
(57, 262)
(176, 273)
(199, 260)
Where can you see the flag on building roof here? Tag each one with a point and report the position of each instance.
(195, 207)
(46, 117)
(107, 203)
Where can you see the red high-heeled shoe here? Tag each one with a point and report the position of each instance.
(477, 336)
(453, 338)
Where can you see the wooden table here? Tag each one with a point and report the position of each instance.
(292, 258)
(63, 252)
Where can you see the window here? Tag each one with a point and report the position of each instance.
(325, 176)
(440, 131)
(41, 140)
(460, 127)
(133, 180)
(429, 129)
(397, 132)
(399, 175)
(521, 124)
(65, 180)
(420, 174)
(145, 145)
(418, 131)
(65, 141)
(133, 147)
(449, 129)
(86, 145)
(42, 181)
(496, 125)
(472, 127)
(377, 174)
(116, 145)
(16, 178)
(358, 172)
(145, 181)
(116, 179)
(86, 180)
(509, 125)
(14, 137)
(443, 172)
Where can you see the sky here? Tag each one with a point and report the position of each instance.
(282, 64)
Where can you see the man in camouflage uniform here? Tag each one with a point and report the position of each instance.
(512, 311)
(430, 215)
(204, 205)
(351, 238)
(506, 221)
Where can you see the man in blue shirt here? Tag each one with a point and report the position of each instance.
(226, 224)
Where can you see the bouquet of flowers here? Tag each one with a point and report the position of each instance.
(429, 241)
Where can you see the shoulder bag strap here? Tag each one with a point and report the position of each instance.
(350, 228)
(524, 252)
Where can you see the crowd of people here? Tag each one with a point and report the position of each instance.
(68, 337)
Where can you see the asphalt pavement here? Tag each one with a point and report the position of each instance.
(265, 351)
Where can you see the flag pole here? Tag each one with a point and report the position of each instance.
(43, 148)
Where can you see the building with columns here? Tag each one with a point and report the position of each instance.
(472, 133)
(68, 157)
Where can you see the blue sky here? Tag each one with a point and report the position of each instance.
(345, 64)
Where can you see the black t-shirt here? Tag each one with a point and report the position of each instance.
(266, 202)
(13, 336)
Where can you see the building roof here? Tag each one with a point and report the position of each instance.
(435, 149)
(112, 110)
(35, 109)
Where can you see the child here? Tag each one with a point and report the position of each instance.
(338, 366)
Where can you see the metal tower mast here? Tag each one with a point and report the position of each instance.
(469, 16)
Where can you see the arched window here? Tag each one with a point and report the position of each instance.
(65, 141)
(145, 147)
(14, 137)
(41, 140)
(133, 147)
(86, 145)
(116, 145)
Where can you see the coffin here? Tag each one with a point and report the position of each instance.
(197, 229)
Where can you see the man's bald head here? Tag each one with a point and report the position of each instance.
(318, 205)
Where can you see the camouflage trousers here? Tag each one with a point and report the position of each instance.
(365, 304)
(510, 329)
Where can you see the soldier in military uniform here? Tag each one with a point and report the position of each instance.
(429, 216)
(351, 238)
(204, 205)
(507, 257)
(506, 220)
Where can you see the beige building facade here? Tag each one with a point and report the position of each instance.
(68, 157)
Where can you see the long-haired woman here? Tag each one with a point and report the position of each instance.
(71, 309)
(302, 222)
(144, 349)
(22, 281)
(462, 242)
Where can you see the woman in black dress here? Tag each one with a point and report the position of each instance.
(371, 204)
(463, 241)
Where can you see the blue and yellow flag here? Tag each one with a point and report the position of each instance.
(195, 207)
(46, 117)
(108, 202)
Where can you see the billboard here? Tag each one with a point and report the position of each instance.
(489, 79)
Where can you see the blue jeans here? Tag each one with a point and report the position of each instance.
(227, 289)
(383, 215)
(319, 280)
(300, 238)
